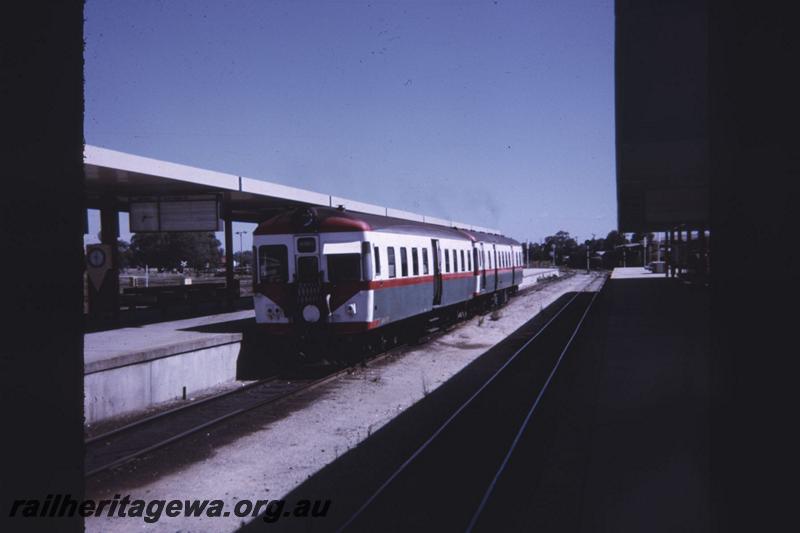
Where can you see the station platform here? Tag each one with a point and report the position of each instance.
(635, 273)
(133, 368)
(530, 276)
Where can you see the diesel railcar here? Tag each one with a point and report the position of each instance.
(331, 273)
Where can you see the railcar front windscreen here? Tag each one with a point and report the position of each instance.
(273, 262)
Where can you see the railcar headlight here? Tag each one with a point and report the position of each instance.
(351, 309)
(311, 313)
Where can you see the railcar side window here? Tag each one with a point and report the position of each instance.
(273, 262)
(414, 262)
(424, 260)
(403, 261)
(377, 261)
(391, 262)
(447, 260)
(455, 260)
(344, 267)
(463, 264)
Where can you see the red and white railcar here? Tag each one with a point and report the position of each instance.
(341, 273)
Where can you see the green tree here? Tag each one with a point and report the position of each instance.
(639, 237)
(565, 245)
(168, 249)
(124, 251)
(614, 238)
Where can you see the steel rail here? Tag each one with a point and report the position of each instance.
(142, 421)
(452, 417)
(142, 451)
(527, 419)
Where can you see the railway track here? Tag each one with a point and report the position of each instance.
(126, 443)
(451, 479)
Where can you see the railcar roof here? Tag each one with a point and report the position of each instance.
(328, 219)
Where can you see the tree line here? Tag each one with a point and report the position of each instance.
(168, 251)
(604, 252)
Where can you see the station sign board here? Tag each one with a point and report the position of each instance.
(175, 213)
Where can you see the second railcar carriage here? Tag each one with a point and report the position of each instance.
(334, 272)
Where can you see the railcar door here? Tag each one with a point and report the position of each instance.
(514, 267)
(482, 254)
(307, 272)
(437, 273)
(494, 264)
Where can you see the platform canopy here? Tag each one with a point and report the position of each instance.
(661, 84)
(118, 179)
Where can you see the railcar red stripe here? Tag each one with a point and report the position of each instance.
(344, 328)
(377, 284)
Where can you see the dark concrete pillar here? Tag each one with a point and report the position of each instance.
(42, 212)
(229, 281)
(109, 233)
(671, 253)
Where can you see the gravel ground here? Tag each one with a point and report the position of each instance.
(270, 455)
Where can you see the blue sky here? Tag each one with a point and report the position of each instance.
(499, 114)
